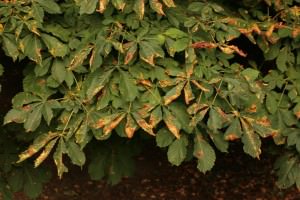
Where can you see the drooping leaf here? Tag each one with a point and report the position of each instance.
(130, 127)
(58, 157)
(75, 153)
(164, 138)
(45, 153)
(177, 151)
(250, 140)
(172, 123)
(204, 153)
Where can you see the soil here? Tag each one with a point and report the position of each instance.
(235, 176)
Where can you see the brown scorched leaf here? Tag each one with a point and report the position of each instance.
(143, 124)
(130, 126)
(174, 93)
(113, 124)
(172, 123)
(139, 8)
(157, 6)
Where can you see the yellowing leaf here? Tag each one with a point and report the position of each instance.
(130, 126)
(45, 153)
(139, 8)
(173, 94)
(143, 124)
(172, 123)
(102, 5)
(157, 6)
(155, 116)
(169, 3)
(113, 124)
(119, 4)
(188, 93)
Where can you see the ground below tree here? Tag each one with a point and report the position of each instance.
(235, 176)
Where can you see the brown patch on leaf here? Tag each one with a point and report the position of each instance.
(144, 82)
(204, 45)
(252, 108)
(264, 121)
(231, 137)
(113, 124)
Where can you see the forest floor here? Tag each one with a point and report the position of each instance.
(235, 176)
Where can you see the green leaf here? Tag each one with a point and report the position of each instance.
(250, 140)
(204, 153)
(96, 81)
(250, 74)
(87, 6)
(34, 118)
(50, 6)
(271, 103)
(127, 87)
(76, 155)
(16, 180)
(215, 120)
(31, 46)
(58, 70)
(234, 131)
(273, 51)
(10, 46)
(175, 33)
(118, 4)
(58, 157)
(177, 151)
(37, 12)
(164, 138)
(180, 111)
(281, 60)
(55, 47)
(14, 115)
(98, 166)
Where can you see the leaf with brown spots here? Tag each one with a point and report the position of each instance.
(37, 145)
(172, 123)
(130, 53)
(198, 85)
(143, 124)
(157, 6)
(139, 8)
(45, 153)
(169, 3)
(155, 116)
(188, 93)
(113, 124)
(234, 131)
(130, 126)
(173, 94)
(102, 5)
(204, 45)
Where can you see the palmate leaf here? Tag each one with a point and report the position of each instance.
(174, 93)
(204, 153)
